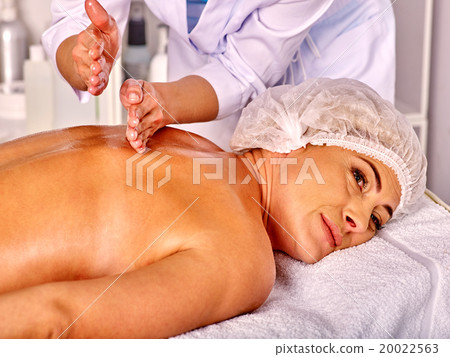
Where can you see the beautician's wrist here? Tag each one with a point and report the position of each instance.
(188, 100)
(160, 93)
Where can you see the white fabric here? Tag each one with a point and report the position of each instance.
(244, 46)
(337, 112)
(396, 285)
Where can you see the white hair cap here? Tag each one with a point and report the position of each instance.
(335, 112)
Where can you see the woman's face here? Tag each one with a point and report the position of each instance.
(316, 217)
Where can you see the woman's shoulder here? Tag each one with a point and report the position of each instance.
(183, 139)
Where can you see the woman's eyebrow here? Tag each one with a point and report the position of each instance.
(378, 185)
(377, 174)
(389, 210)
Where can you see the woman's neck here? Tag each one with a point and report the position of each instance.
(263, 170)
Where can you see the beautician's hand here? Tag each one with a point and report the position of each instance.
(152, 106)
(145, 113)
(86, 60)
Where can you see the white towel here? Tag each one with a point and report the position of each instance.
(396, 285)
(431, 248)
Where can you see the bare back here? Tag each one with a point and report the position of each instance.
(69, 212)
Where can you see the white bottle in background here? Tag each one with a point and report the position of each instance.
(158, 64)
(13, 45)
(38, 73)
(136, 56)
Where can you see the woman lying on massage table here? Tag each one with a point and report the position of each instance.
(86, 254)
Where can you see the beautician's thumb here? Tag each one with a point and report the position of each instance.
(98, 16)
(131, 92)
(134, 93)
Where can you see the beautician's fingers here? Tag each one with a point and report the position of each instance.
(150, 123)
(147, 126)
(85, 41)
(136, 143)
(132, 123)
(131, 92)
(133, 118)
(97, 67)
(139, 142)
(131, 96)
(98, 83)
(138, 146)
(145, 113)
(88, 68)
(96, 48)
(98, 79)
(81, 56)
(138, 137)
(148, 133)
(99, 16)
(134, 140)
(105, 33)
(94, 81)
(131, 133)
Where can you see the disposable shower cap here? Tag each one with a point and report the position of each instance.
(336, 112)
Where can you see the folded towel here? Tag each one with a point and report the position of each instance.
(396, 285)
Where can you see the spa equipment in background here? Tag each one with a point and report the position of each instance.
(38, 74)
(145, 48)
(12, 112)
(50, 101)
(159, 62)
(52, 104)
(13, 52)
(13, 46)
(136, 57)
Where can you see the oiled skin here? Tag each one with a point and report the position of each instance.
(70, 226)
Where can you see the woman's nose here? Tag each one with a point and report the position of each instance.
(356, 218)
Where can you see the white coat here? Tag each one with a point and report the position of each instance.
(244, 46)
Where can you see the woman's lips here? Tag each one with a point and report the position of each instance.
(332, 232)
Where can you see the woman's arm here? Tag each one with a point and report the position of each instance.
(189, 289)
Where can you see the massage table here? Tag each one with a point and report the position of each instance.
(397, 285)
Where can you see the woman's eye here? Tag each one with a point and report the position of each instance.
(360, 179)
(376, 221)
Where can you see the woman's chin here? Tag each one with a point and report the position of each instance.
(310, 256)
